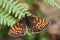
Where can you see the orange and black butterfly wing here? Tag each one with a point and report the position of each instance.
(37, 24)
(18, 29)
(33, 23)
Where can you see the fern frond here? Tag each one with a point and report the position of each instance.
(52, 3)
(6, 19)
(17, 9)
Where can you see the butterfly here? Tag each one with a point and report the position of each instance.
(31, 23)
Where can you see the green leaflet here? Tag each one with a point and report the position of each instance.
(52, 3)
(6, 19)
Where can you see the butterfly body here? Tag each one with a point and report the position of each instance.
(27, 21)
(32, 23)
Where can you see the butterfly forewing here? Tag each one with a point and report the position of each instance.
(37, 24)
(18, 29)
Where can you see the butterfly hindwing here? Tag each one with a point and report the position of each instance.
(18, 29)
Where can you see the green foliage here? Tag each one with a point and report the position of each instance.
(6, 19)
(29, 36)
(30, 2)
(52, 3)
(39, 14)
(3, 32)
(44, 36)
(15, 7)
